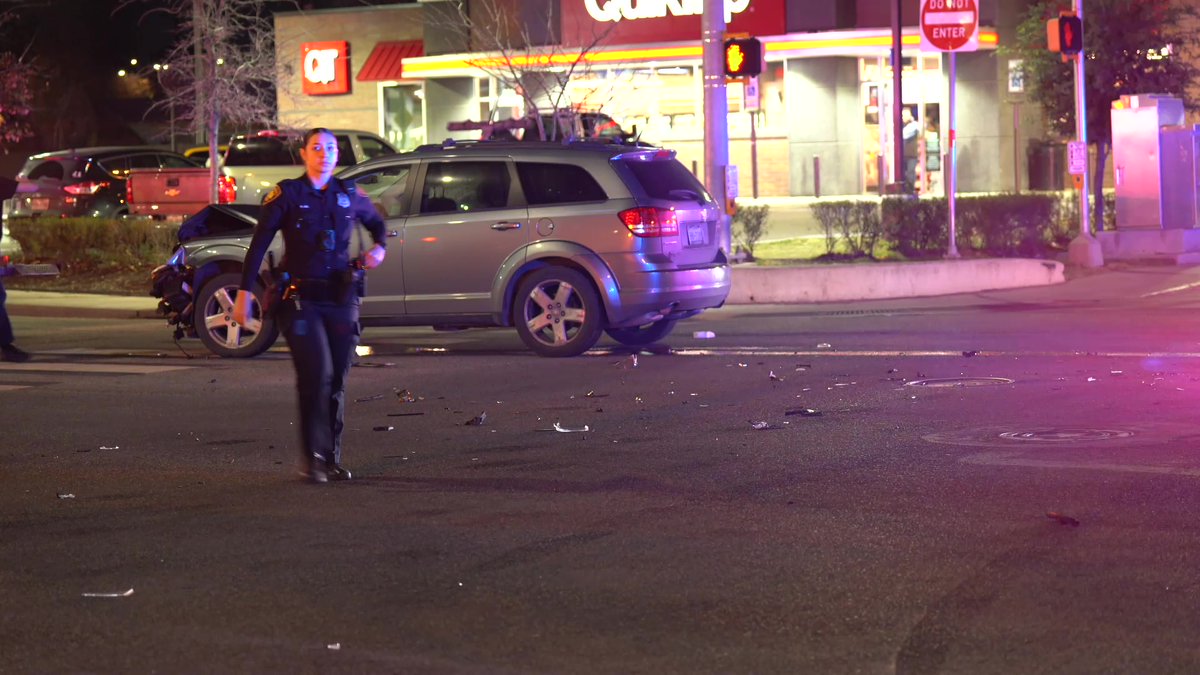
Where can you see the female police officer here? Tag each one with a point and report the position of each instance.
(319, 313)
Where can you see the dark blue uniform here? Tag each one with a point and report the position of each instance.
(320, 318)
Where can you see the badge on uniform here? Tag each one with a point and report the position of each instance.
(343, 200)
(272, 195)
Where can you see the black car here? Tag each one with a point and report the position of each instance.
(85, 182)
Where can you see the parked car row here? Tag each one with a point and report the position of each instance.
(95, 182)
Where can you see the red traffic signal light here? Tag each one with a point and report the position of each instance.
(1065, 34)
(743, 57)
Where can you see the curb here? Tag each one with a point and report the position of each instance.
(751, 285)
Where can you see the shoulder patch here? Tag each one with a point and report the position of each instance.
(272, 195)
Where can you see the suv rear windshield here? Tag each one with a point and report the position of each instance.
(667, 179)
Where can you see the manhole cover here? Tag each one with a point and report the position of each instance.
(958, 382)
(1001, 437)
(1065, 435)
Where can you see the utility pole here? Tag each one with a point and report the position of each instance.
(716, 110)
(897, 96)
(1083, 250)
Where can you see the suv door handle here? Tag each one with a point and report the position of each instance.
(506, 226)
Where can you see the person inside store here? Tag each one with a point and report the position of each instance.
(8, 350)
(911, 135)
(319, 287)
(933, 155)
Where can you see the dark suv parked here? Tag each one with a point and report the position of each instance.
(563, 242)
(85, 181)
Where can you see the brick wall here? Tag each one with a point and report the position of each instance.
(362, 28)
(774, 168)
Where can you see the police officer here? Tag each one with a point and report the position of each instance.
(318, 315)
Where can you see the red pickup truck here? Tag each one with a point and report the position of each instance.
(173, 192)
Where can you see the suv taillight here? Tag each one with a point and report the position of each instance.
(89, 188)
(650, 222)
(226, 189)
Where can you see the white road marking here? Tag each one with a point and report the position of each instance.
(1173, 289)
(1013, 459)
(109, 368)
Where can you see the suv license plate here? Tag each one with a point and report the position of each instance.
(697, 234)
(39, 204)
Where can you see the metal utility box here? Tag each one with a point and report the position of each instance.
(1154, 163)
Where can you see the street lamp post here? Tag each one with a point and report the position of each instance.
(159, 69)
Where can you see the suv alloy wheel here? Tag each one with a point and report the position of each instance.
(557, 312)
(215, 327)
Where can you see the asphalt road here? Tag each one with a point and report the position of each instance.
(995, 483)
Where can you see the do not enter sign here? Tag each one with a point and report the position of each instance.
(950, 25)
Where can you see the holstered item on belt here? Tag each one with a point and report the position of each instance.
(341, 288)
(273, 294)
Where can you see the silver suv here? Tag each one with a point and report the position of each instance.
(563, 241)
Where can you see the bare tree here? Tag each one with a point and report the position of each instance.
(525, 58)
(17, 76)
(223, 68)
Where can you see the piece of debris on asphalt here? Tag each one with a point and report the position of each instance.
(970, 353)
(593, 394)
(704, 335)
(66, 495)
(405, 396)
(1091, 379)
(567, 430)
(803, 412)
(334, 646)
(408, 414)
(773, 377)
(824, 345)
(373, 364)
(476, 421)
(761, 425)
(1063, 520)
(110, 447)
(126, 594)
(384, 428)
(364, 399)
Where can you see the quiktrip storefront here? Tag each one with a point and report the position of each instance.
(824, 104)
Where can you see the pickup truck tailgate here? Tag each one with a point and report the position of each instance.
(168, 192)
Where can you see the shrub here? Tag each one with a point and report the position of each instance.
(749, 225)
(94, 244)
(856, 223)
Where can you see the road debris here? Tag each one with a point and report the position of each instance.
(405, 396)
(384, 428)
(1063, 520)
(803, 412)
(126, 594)
(970, 353)
(334, 646)
(824, 345)
(364, 399)
(407, 414)
(476, 421)
(66, 495)
(773, 377)
(761, 425)
(704, 335)
(567, 430)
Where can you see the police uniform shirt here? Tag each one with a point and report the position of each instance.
(305, 215)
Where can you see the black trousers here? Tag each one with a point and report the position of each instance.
(6, 331)
(322, 337)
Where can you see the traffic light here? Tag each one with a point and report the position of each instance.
(743, 57)
(1065, 34)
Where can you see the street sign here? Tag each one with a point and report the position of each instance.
(950, 25)
(1077, 156)
(750, 97)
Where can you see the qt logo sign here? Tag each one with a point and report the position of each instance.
(326, 67)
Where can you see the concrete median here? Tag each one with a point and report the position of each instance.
(877, 281)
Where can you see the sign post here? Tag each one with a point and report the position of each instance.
(950, 26)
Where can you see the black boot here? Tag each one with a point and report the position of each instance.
(14, 354)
